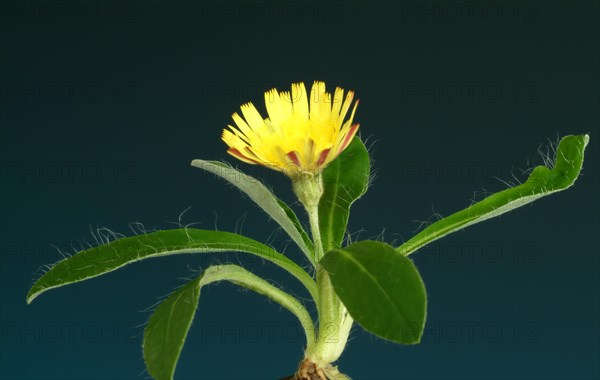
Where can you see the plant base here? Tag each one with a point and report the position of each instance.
(311, 371)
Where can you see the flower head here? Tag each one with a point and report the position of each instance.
(302, 134)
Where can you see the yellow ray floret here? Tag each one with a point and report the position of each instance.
(303, 133)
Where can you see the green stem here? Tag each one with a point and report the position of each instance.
(308, 187)
(248, 280)
(330, 321)
(313, 216)
(334, 321)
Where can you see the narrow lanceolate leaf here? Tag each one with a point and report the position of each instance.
(381, 289)
(264, 198)
(167, 328)
(344, 180)
(542, 181)
(118, 253)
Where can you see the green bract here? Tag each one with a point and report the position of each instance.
(369, 282)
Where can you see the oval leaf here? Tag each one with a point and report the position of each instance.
(542, 181)
(381, 289)
(118, 253)
(344, 181)
(168, 327)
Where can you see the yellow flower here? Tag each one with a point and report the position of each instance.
(300, 134)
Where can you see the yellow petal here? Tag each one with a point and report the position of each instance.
(316, 96)
(302, 133)
(300, 101)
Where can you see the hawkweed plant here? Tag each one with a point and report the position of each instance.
(311, 138)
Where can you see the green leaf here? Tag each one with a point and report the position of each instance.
(344, 180)
(542, 181)
(118, 253)
(167, 328)
(381, 289)
(290, 213)
(264, 198)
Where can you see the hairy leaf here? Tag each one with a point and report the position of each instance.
(264, 198)
(118, 253)
(542, 181)
(168, 327)
(381, 289)
(344, 180)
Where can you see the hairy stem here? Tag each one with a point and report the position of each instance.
(308, 187)
(313, 216)
(334, 322)
(246, 279)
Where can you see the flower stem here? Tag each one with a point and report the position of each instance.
(313, 216)
(309, 189)
(334, 321)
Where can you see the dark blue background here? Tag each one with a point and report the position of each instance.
(104, 104)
